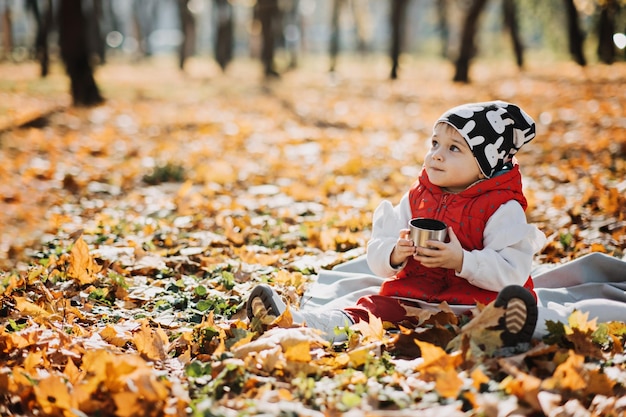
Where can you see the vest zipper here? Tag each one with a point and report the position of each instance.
(442, 204)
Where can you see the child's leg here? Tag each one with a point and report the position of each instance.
(601, 309)
(386, 308)
(263, 300)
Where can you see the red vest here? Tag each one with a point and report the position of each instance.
(467, 213)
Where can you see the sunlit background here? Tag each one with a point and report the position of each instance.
(135, 28)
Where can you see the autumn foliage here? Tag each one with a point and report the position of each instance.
(132, 233)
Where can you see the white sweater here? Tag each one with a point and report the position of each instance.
(509, 245)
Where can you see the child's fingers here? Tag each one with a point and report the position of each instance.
(435, 244)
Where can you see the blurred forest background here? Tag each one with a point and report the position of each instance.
(281, 32)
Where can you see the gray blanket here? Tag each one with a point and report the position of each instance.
(593, 284)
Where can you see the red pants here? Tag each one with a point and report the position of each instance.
(386, 308)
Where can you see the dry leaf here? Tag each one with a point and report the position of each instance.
(82, 266)
(28, 308)
(151, 342)
(569, 375)
(371, 330)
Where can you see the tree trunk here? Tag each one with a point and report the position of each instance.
(75, 54)
(188, 26)
(606, 28)
(7, 32)
(398, 18)
(224, 37)
(334, 33)
(44, 23)
(442, 25)
(96, 43)
(292, 25)
(575, 34)
(510, 21)
(468, 47)
(268, 13)
(144, 20)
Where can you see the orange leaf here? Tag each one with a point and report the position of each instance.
(28, 308)
(128, 404)
(448, 384)
(82, 266)
(598, 383)
(72, 373)
(113, 336)
(435, 356)
(441, 367)
(568, 375)
(479, 378)
(520, 384)
(52, 394)
(300, 351)
(151, 342)
(372, 331)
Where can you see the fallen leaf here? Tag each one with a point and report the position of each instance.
(53, 395)
(82, 266)
(371, 330)
(569, 375)
(151, 342)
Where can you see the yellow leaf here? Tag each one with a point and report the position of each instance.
(598, 247)
(128, 404)
(431, 354)
(372, 330)
(478, 332)
(568, 375)
(71, 372)
(520, 384)
(598, 383)
(82, 266)
(284, 394)
(580, 321)
(299, 351)
(479, 378)
(52, 394)
(286, 338)
(436, 356)
(355, 357)
(447, 383)
(34, 361)
(151, 342)
(112, 336)
(285, 320)
(29, 308)
(289, 278)
(440, 367)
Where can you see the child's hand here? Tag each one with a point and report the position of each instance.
(403, 249)
(442, 255)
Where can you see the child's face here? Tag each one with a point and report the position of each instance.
(450, 163)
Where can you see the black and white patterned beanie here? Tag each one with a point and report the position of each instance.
(494, 131)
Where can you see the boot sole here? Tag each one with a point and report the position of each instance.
(266, 294)
(520, 315)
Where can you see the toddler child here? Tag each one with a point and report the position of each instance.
(471, 181)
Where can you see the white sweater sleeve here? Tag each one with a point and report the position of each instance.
(386, 225)
(509, 245)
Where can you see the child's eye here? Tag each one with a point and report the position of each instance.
(454, 148)
(434, 143)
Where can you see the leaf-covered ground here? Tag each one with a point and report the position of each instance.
(131, 234)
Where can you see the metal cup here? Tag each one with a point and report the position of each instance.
(423, 229)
